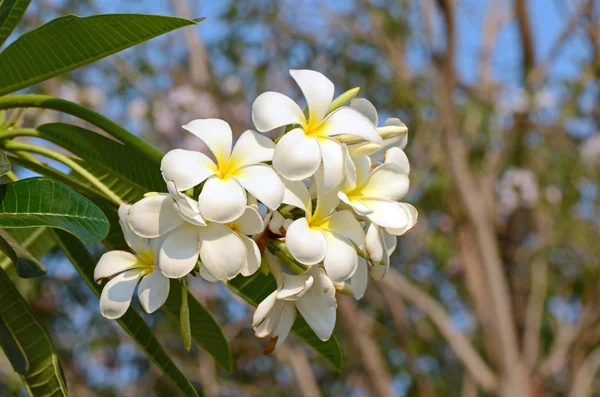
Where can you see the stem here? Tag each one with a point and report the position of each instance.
(11, 176)
(279, 249)
(16, 146)
(17, 132)
(48, 102)
(184, 317)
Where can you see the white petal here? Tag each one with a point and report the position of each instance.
(360, 279)
(267, 315)
(379, 271)
(346, 120)
(186, 207)
(411, 215)
(117, 293)
(345, 224)
(341, 260)
(318, 306)
(295, 193)
(362, 165)
(272, 110)
(186, 168)
(333, 163)
(216, 134)
(388, 181)
(395, 155)
(349, 170)
(153, 216)
(179, 253)
(114, 262)
(375, 245)
(297, 156)
(395, 122)
(317, 89)
(390, 241)
(252, 148)
(294, 286)
(283, 326)
(262, 182)
(276, 223)
(153, 290)
(377, 156)
(252, 259)
(249, 223)
(222, 200)
(326, 201)
(390, 214)
(366, 149)
(306, 245)
(366, 108)
(358, 206)
(136, 243)
(205, 274)
(222, 251)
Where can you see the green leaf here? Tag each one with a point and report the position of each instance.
(69, 42)
(14, 351)
(11, 12)
(27, 265)
(37, 242)
(131, 321)
(107, 155)
(4, 164)
(256, 288)
(46, 202)
(43, 375)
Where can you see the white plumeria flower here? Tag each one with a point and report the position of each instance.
(127, 269)
(380, 246)
(223, 197)
(277, 223)
(224, 249)
(375, 194)
(323, 236)
(300, 152)
(311, 293)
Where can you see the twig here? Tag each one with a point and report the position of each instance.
(582, 386)
(535, 313)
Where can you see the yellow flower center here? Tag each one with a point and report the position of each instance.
(145, 260)
(226, 167)
(315, 128)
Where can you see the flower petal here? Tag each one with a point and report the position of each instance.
(375, 245)
(296, 194)
(388, 181)
(136, 243)
(186, 207)
(262, 182)
(283, 326)
(390, 214)
(411, 215)
(252, 148)
(318, 306)
(265, 312)
(272, 110)
(277, 223)
(222, 251)
(153, 290)
(306, 245)
(153, 216)
(114, 262)
(205, 274)
(345, 224)
(250, 222)
(360, 279)
(317, 89)
(294, 286)
(333, 163)
(390, 241)
(179, 253)
(252, 259)
(216, 134)
(366, 108)
(186, 168)
(341, 259)
(400, 131)
(379, 271)
(222, 200)
(358, 206)
(326, 200)
(395, 155)
(297, 156)
(346, 120)
(117, 293)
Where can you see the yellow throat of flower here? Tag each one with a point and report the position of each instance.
(145, 260)
(315, 128)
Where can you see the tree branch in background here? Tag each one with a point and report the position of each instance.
(296, 358)
(582, 386)
(462, 347)
(526, 36)
(535, 313)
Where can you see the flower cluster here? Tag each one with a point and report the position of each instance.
(320, 210)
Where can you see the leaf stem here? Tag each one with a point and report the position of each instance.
(184, 317)
(17, 146)
(74, 109)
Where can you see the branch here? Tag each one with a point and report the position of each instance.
(557, 358)
(526, 36)
(298, 361)
(460, 344)
(582, 386)
(535, 312)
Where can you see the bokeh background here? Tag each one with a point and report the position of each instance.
(502, 102)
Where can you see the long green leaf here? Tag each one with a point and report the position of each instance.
(257, 287)
(69, 42)
(36, 241)
(27, 265)
(43, 376)
(13, 350)
(4, 164)
(107, 154)
(131, 322)
(11, 12)
(46, 202)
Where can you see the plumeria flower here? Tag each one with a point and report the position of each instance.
(300, 151)
(128, 269)
(224, 249)
(323, 236)
(311, 293)
(375, 194)
(223, 196)
(380, 246)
